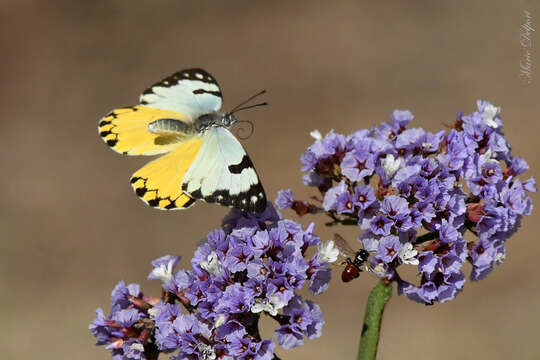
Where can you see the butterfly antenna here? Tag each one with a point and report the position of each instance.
(246, 101)
(240, 131)
(248, 107)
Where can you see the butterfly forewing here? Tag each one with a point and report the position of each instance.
(125, 130)
(192, 92)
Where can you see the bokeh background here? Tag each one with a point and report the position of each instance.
(71, 226)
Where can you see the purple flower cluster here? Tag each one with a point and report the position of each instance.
(253, 265)
(415, 193)
(127, 331)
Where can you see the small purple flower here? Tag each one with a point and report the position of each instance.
(388, 248)
(363, 196)
(402, 118)
(122, 295)
(357, 165)
(395, 206)
(319, 276)
(331, 196)
(381, 225)
(344, 203)
(448, 233)
(409, 141)
(303, 318)
(284, 199)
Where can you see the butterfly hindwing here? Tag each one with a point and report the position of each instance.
(158, 183)
(191, 92)
(125, 130)
(223, 173)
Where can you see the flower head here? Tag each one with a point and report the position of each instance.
(414, 194)
(253, 266)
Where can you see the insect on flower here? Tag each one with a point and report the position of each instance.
(354, 261)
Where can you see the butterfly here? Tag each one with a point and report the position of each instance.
(180, 118)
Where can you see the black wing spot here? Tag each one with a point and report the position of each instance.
(171, 205)
(241, 201)
(111, 114)
(190, 74)
(189, 203)
(245, 163)
(112, 142)
(211, 92)
(141, 191)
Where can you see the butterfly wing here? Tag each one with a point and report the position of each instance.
(192, 92)
(223, 173)
(125, 130)
(183, 96)
(158, 183)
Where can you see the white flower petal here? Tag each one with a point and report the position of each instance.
(153, 311)
(490, 112)
(220, 321)
(137, 346)
(276, 302)
(258, 306)
(162, 272)
(206, 351)
(211, 264)
(379, 270)
(327, 252)
(407, 254)
(391, 165)
(316, 134)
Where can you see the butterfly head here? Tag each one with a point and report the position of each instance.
(228, 120)
(225, 119)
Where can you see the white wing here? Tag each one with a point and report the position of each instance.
(222, 172)
(191, 92)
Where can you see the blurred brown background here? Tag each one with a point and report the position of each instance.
(72, 227)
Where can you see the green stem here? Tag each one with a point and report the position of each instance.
(377, 299)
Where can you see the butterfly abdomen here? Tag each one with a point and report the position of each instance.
(170, 131)
(169, 126)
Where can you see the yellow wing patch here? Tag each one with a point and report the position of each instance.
(125, 130)
(159, 182)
